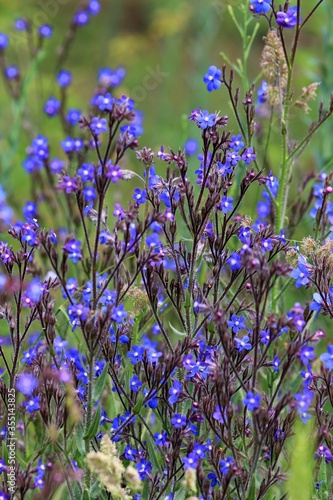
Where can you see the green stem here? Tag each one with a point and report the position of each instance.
(88, 420)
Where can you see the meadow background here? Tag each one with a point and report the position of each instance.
(180, 37)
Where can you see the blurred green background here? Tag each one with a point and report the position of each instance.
(176, 39)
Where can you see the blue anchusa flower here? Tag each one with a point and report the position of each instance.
(191, 147)
(249, 155)
(160, 438)
(73, 249)
(260, 6)
(267, 244)
(307, 375)
(135, 383)
(236, 323)
(4, 40)
(303, 402)
(119, 314)
(64, 78)
(98, 125)
(32, 404)
(178, 421)
(21, 24)
(301, 273)
(307, 354)
(45, 31)
(144, 468)
(243, 344)
(86, 172)
(226, 204)
(220, 414)
(191, 461)
(205, 119)
(325, 453)
(225, 465)
(140, 196)
(327, 357)
(265, 336)
(276, 363)
(287, 19)
(136, 354)
(30, 210)
(213, 78)
(81, 18)
(252, 401)
(73, 116)
(262, 92)
(26, 383)
(174, 392)
(130, 453)
(52, 106)
(12, 72)
(104, 102)
(236, 142)
(115, 173)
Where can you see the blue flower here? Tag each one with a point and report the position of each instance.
(73, 248)
(4, 40)
(136, 354)
(225, 465)
(260, 6)
(52, 106)
(236, 323)
(174, 392)
(144, 468)
(178, 421)
(64, 78)
(205, 120)
(135, 383)
(262, 92)
(99, 125)
(307, 354)
(191, 462)
(119, 314)
(303, 402)
(26, 383)
(287, 19)
(191, 147)
(243, 344)
(130, 453)
(327, 357)
(73, 116)
(252, 401)
(213, 78)
(226, 204)
(32, 404)
(276, 363)
(140, 196)
(236, 142)
(301, 273)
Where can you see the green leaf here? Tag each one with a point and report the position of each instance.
(322, 478)
(252, 491)
(86, 495)
(151, 453)
(301, 473)
(145, 491)
(188, 300)
(100, 384)
(183, 334)
(93, 428)
(5, 452)
(79, 432)
(137, 408)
